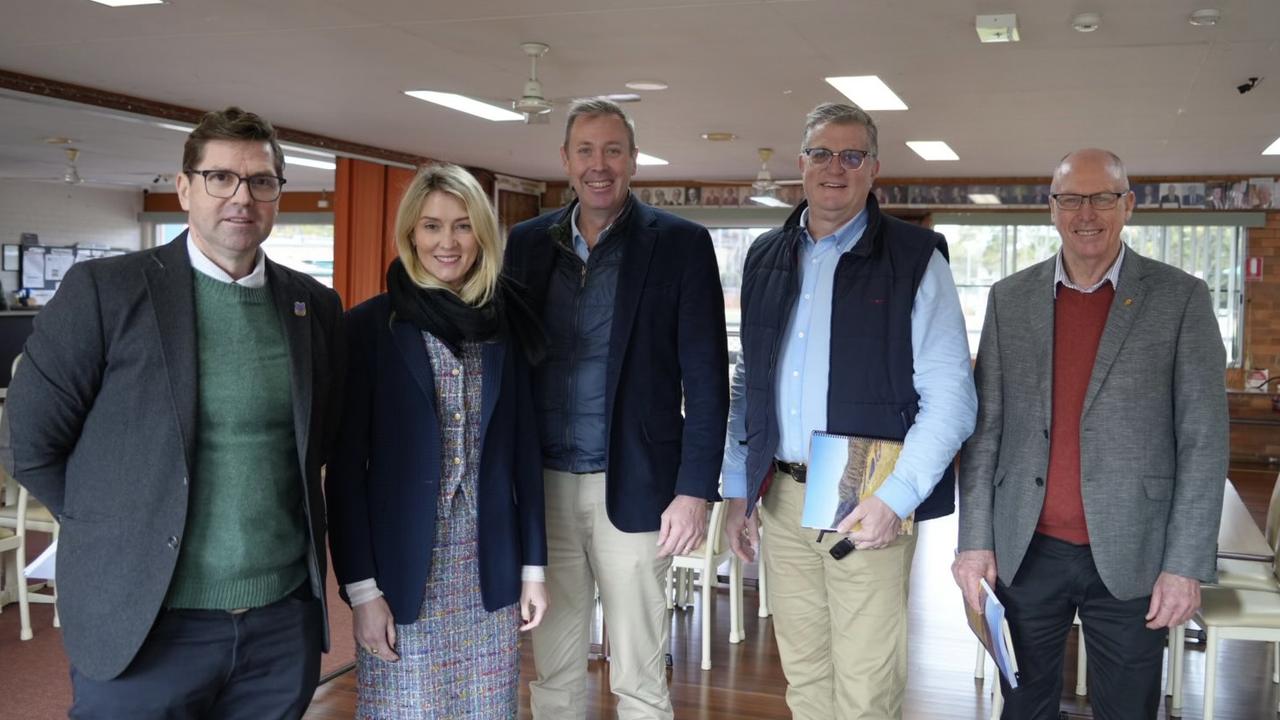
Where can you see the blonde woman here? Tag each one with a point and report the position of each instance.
(435, 489)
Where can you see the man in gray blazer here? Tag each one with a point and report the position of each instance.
(173, 409)
(1094, 480)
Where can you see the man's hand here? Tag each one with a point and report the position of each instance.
(1174, 599)
(684, 526)
(742, 532)
(533, 603)
(375, 629)
(879, 524)
(971, 566)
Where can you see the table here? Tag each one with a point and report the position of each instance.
(1238, 537)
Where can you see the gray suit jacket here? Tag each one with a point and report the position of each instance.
(1153, 431)
(100, 421)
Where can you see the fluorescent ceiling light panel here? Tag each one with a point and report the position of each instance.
(983, 199)
(307, 151)
(1273, 148)
(176, 126)
(127, 3)
(643, 159)
(308, 162)
(768, 201)
(462, 103)
(933, 149)
(868, 91)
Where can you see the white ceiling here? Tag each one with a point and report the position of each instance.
(1148, 85)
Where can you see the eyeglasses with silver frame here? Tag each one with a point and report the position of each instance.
(224, 184)
(851, 159)
(1098, 200)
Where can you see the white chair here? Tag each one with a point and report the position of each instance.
(1235, 575)
(23, 516)
(15, 587)
(1230, 614)
(762, 586)
(704, 560)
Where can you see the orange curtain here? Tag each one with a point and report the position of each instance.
(366, 198)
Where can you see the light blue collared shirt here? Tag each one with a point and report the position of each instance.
(942, 374)
(579, 242)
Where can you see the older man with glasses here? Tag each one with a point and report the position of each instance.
(173, 409)
(1093, 483)
(851, 324)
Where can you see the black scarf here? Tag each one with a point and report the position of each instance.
(506, 316)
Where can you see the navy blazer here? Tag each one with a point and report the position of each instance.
(667, 346)
(383, 482)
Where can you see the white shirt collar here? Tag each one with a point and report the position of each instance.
(1113, 275)
(201, 263)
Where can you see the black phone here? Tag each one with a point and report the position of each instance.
(842, 548)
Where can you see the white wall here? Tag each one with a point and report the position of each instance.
(67, 215)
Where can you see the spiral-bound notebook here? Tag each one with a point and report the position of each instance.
(844, 469)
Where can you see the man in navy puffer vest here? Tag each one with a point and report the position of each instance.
(851, 324)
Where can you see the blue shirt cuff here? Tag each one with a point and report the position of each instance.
(734, 483)
(899, 495)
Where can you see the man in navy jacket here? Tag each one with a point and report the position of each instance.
(631, 400)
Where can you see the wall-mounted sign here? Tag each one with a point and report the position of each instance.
(1253, 268)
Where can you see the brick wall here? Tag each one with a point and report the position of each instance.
(1262, 345)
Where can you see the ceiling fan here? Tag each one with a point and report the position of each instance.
(71, 174)
(533, 102)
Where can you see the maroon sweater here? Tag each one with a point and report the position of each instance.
(1078, 321)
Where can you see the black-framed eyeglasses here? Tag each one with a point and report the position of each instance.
(225, 184)
(850, 159)
(1098, 200)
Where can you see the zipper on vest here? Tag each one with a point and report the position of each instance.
(573, 356)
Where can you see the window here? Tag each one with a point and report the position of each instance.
(983, 254)
(307, 248)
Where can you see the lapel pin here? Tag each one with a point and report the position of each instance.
(300, 309)
(1128, 301)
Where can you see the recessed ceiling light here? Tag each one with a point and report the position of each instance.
(933, 149)
(719, 136)
(1205, 18)
(623, 97)
(308, 162)
(868, 91)
(644, 159)
(646, 85)
(306, 151)
(1086, 22)
(127, 3)
(983, 199)
(462, 103)
(768, 201)
(1273, 148)
(176, 126)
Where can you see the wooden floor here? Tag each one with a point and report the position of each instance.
(746, 680)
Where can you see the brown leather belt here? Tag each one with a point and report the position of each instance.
(796, 470)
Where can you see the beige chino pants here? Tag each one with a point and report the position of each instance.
(841, 625)
(585, 550)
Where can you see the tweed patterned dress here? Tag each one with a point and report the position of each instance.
(457, 660)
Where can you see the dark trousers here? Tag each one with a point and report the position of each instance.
(1057, 579)
(262, 664)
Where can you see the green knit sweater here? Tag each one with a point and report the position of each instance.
(245, 543)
